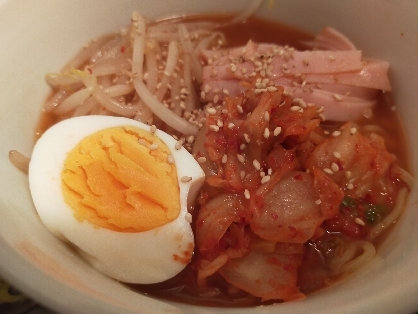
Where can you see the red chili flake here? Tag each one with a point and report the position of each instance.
(289, 267)
(122, 49)
(273, 261)
(298, 177)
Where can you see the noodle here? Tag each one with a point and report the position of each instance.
(368, 252)
(391, 218)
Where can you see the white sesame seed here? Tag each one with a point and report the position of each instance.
(231, 125)
(247, 137)
(247, 194)
(225, 91)
(277, 131)
(203, 95)
(335, 167)
(347, 174)
(190, 139)
(206, 89)
(265, 179)
(224, 159)
(184, 91)
(318, 202)
(233, 67)
(266, 116)
(188, 217)
(328, 171)
(240, 158)
(215, 99)
(266, 133)
(322, 117)
(214, 127)
(256, 164)
(353, 130)
(359, 221)
(295, 108)
(186, 179)
(242, 174)
(320, 109)
(337, 97)
(178, 145)
(211, 110)
(262, 174)
(336, 133)
(201, 160)
(219, 123)
(336, 154)
(153, 146)
(239, 108)
(242, 146)
(269, 171)
(272, 88)
(350, 186)
(153, 129)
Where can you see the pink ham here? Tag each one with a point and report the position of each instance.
(340, 80)
(331, 39)
(372, 75)
(336, 107)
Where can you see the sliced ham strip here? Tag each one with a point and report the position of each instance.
(336, 107)
(331, 39)
(348, 90)
(318, 62)
(372, 75)
(217, 87)
(300, 62)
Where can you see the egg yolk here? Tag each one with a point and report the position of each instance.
(120, 179)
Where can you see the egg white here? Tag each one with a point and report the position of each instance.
(142, 257)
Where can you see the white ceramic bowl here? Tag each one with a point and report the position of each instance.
(38, 36)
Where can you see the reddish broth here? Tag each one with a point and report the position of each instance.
(183, 288)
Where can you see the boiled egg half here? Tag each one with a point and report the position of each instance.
(119, 191)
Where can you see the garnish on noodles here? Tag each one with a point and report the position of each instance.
(301, 176)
